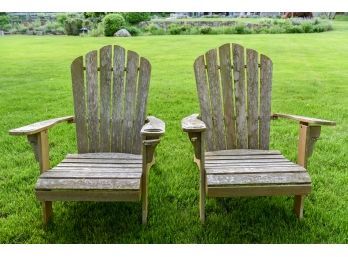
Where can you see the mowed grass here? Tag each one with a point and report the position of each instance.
(310, 78)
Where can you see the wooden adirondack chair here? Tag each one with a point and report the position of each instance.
(115, 140)
(234, 128)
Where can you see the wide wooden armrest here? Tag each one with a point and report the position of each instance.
(39, 126)
(192, 124)
(302, 119)
(153, 127)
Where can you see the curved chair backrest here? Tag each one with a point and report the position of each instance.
(234, 92)
(110, 99)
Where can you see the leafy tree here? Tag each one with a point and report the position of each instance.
(112, 23)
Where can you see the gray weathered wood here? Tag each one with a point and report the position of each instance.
(141, 102)
(239, 84)
(130, 96)
(215, 100)
(265, 101)
(88, 195)
(106, 170)
(78, 86)
(252, 99)
(117, 98)
(101, 161)
(153, 127)
(105, 98)
(92, 100)
(243, 152)
(101, 165)
(262, 169)
(266, 190)
(40, 126)
(227, 93)
(71, 174)
(258, 179)
(250, 161)
(88, 184)
(243, 157)
(311, 121)
(192, 124)
(204, 102)
(104, 156)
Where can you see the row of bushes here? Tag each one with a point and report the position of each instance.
(264, 27)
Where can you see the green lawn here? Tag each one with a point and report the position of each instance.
(310, 78)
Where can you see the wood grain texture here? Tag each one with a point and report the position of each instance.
(153, 127)
(227, 94)
(267, 190)
(192, 124)
(92, 100)
(104, 161)
(105, 98)
(117, 98)
(215, 100)
(141, 103)
(130, 96)
(39, 126)
(71, 174)
(252, 170)
(100, 165)
(78, 86)
(265, 101)
(252, 99)
(258, 179)
(243, 152)
(239, 84)
(303, 119)
(104, 156)
(89, 195)
(204, 101)
(87, 184)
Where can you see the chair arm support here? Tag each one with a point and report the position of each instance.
(39, 126)
(37, 134)
(193, 124)
(153, 127)
(309, 133)
(302, 119)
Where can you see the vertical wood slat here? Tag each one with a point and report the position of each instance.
(141, 102)
(227, 92)
(215, 99)
(239, 83)
(265, 101)
(203, 95)
(117, 98)
(79, 104)
(105, 96)
(92, 100)
(130, 94)
(252, 99)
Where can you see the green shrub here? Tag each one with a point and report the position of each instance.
(72, 26)
(276, 29)
(229, 30)
(98, 31)
(174, 29)
(205, 30)
(6, 27)
(341, 17)
(112, 23)
(61, 18)
(307, 27)
(240, 28)
(4, 20)
(295, 29)
(154, 29)
(134, 31)
(136, 17)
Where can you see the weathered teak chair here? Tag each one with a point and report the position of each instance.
(115, 141)
(234, 128)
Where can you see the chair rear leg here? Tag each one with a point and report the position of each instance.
(47, 212)
(298, 205)
(202, 198)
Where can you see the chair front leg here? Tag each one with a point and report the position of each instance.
(149, 146)
(39, 142)
(197, 140)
